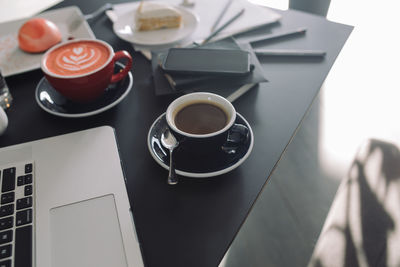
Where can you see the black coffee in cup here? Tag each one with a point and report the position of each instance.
(200, 118)
(204, 124)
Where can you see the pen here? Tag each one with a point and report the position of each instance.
(277, 35)
(289, 52)
(223, 26)
(221, 14)
(177, 84)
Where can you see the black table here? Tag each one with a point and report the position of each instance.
(194, 222)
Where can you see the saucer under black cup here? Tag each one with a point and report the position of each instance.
(199, 166)
(51, 101)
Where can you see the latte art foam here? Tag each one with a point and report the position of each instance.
(77, 58)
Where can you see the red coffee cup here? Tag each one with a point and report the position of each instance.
(82, 69)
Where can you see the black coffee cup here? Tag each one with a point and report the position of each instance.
(204, 124)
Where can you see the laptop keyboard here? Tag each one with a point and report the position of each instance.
(16, 215)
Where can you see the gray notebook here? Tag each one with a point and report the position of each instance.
(230, 87)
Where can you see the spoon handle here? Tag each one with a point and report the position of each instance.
(172, 177)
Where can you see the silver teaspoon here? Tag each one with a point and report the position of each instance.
(169, 141)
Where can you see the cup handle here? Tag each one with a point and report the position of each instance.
(120, 75)
(236, 135)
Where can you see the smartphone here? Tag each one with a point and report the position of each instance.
(207, 61)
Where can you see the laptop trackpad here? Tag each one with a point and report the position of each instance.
(87, 233)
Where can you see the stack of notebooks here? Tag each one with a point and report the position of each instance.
(230, 87)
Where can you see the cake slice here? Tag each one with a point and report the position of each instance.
(154, 16)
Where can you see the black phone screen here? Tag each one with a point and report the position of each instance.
(207, 61)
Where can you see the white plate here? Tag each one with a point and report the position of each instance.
(13, 60)
(125, 28)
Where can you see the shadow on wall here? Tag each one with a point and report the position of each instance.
(363, 224)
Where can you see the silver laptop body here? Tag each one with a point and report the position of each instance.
(73, 200)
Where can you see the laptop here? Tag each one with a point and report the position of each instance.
(64, 203)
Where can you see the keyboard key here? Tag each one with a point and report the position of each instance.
(8, 180)
(28, 168)
(6, 223)
(28, 179)
(6, 263)
(6, 210)
(23, 246)
(20, 180)
(7, 197)
(5, 251)
(28, 190)
(23, 203)
(23, 217)
(6, 237)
